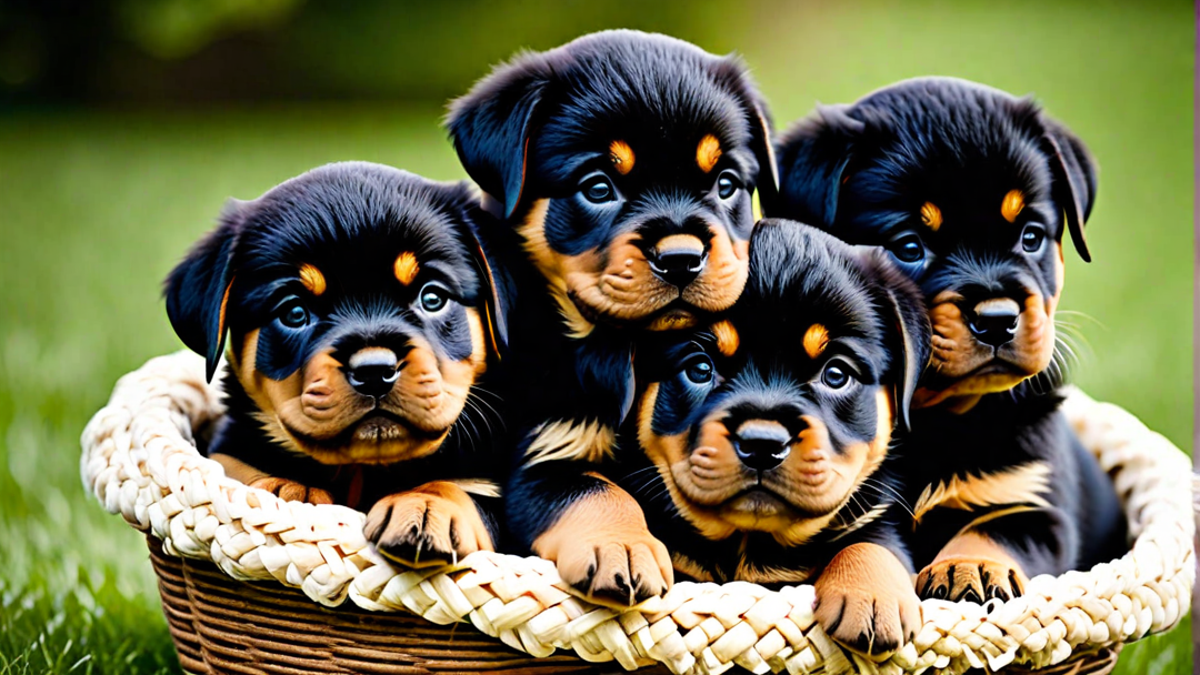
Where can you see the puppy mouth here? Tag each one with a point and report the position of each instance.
(381, 425)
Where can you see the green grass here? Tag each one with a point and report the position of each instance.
(95, 207)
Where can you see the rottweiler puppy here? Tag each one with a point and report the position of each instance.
(764, 437)
(970, 190)
(361, 323)
(624, 165)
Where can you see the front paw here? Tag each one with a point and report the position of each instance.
(291, 491)
(865, 601)
(617, 570)
(434, 524)
(970, 578)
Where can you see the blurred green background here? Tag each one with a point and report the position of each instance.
(125, 125)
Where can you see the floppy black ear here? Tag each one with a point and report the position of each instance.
(813, 156)
(1074, 180)
(197, 290)
(494, 285)
(904, 309)
(490, 127)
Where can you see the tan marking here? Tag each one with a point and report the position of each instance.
(727, 337)
(478, 357)
(931, 215)
(1021, 484)
(708, 152)
(291, 491)
(431, 525)
(756, 574)
(676, 319)
(477, 486)
(622, 157)
(690, 568)
(406, 267)
(224, 304)
(865, 595)
(604, 550)
(237, 469)
(1012, 205)
(816, 339)
(571, 441)
(312, 279)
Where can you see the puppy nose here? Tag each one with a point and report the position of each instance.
(677, 259)
(994, 322)
(373, 371)
(762, 444)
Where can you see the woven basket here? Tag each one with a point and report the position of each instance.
(249, 582)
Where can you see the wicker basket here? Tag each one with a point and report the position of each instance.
(253, 584)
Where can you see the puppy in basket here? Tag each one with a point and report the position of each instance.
(764, 437)
(361, 322)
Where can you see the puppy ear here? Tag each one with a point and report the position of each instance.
(904, 310)
(197, 290)
(493, 285)
(813, 156)
(490, 127)
(1074, 180)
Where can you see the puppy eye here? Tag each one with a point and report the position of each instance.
(727, 184)
(836, 375)
(1032, 237)
(908, 248)
(597, 189)
(699, 370)
(294, 315)
(434, 297)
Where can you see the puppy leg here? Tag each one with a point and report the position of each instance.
(973, 567)
(866, 602)
(603, 548)
(433, 524)
(285, 489)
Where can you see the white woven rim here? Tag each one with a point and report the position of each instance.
(141, 462)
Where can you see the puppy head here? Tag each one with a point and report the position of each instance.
(970, 189)
(627, 162)
(771, 419)
(358, 305)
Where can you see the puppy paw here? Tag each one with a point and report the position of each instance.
(290, 490)
(865, 601)
(616, 570)
(970, 578)
(604, 550)
(434, 524)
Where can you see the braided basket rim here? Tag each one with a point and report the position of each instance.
(140, 460)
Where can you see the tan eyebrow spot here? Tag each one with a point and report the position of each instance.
(931, 215)
(312, 279)
(708, 152)
(622, 157)
(1011, 207)
(816, 338)
(727, 337)
(406, 267)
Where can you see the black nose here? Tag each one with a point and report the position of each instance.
(677, 259)
(373, 371)
(762, 444)
(994, 322)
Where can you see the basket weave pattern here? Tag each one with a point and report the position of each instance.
(140, 460)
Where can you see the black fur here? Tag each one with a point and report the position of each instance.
(798, 276)
(540, 127)
(351, 220)
(862, 172)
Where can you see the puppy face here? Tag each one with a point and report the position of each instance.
(970, 190)
(627, 163)
(358, 309)
(771, 419)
